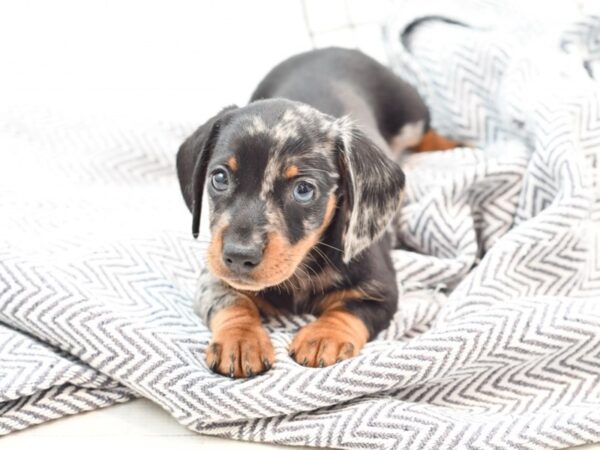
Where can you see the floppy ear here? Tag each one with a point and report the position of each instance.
(192, 160)
(371, 185)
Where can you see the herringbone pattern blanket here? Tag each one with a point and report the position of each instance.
(497, 339)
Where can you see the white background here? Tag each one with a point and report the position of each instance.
(128, 57)
(176, 58)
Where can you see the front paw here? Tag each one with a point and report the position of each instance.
(323, 343)
(240, 352)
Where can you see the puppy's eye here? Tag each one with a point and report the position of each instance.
(304, 192)
(220, 180)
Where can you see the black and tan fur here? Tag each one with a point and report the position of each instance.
(325, 119)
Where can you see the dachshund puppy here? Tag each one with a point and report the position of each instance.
(301, 190)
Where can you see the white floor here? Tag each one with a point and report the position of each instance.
(134, 425)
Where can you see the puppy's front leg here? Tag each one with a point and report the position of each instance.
(336, 335)
(341, 331)
(240, 346)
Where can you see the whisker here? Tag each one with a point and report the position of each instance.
(312, 281)
(325, 257)
(330, 246)
(311, 171)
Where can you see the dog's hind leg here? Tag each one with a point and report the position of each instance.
(431, 141)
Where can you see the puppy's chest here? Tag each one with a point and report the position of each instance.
(302, 294)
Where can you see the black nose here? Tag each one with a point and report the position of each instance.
(241, 258)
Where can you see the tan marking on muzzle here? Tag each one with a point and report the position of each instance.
(280, 258)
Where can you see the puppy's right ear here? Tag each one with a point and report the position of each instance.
(192, 160)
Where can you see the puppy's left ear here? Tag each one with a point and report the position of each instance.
(192, 161)
(371, 186)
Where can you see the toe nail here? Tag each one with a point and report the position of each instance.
(266, 364)
(321, 363)
(305, 361)
(250, 372)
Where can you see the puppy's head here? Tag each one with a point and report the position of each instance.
(278, 174)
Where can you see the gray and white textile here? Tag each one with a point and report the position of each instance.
(497, 339)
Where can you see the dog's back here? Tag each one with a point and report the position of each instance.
(341, 82)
